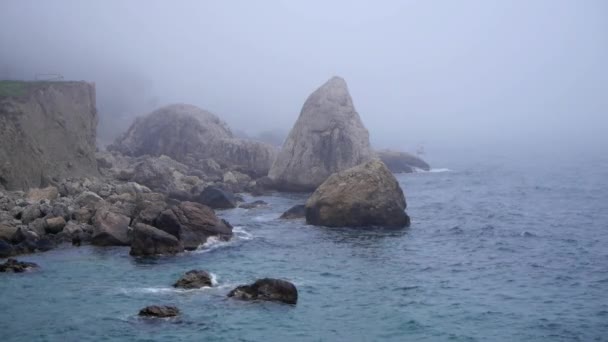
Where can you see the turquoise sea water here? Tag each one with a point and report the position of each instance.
(498, 251)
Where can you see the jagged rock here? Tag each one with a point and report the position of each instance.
(402, 162)
(110, 229)
(12, 265)
(365, 195)
(36, 195)
(159, 311)
(47, 133)
(254, 204)
(193, 223)
(267, 289)
(194, 279)
(148, 240)
(187, 133)
(328, 137)
(216, 198)
(55, 225)
(295, 212)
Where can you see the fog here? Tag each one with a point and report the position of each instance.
(443, 74)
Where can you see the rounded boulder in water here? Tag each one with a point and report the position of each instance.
(267, 289)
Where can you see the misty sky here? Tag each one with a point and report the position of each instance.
(440, 73)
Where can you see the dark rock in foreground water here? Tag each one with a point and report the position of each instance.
(148, 240)
(217, 198)
(159, 311)
(12, 265)
(194, 279)
(296, 212)
(362, 196)
(267, 289)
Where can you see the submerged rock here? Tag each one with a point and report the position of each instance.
(365, 195)
(12, 265)
(296, 212)
(328, 137)
(159, 311)
(148, 240)
(267, 289)
(194, 279)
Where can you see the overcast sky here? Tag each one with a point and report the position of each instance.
(440, 73)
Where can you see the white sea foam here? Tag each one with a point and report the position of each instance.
(438, 170)
(213, 242)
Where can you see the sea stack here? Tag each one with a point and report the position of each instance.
(328, 137)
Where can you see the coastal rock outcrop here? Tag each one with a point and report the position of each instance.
(194, 279)
(328, 137)
(267, 289)
(193, 223)
(189, 134)
(402, 162)
(216, 198)
(47, 133)
(148, 240)
(365, 195)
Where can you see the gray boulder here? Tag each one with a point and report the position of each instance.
(148, 240)
(365, 195)
(328, 137)
(110, 229)
(193, 223)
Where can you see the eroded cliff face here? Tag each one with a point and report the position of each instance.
(47, 133)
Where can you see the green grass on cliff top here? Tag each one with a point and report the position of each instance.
(12, 88)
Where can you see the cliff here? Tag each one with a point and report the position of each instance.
(47, 132)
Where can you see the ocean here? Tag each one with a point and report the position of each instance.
(501, 248)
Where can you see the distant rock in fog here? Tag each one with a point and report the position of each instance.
(365, 195)
(402, 162)
(328, 137)
(189, 134)
(47, 133)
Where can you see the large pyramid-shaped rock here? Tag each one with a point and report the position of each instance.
(189, 134)
(328, 137)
